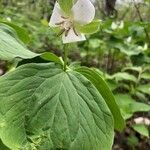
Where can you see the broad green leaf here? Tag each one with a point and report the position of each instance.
(2, 146)
(144, 88)
(141, 96)
(51, 57)
(90, 28)
(22, 33)
(124, 76)
(106, 93)
(9, 30)
(137, 69)
(129, 106)
(129, 50)
(66, 5)
(42, 107)
(139, 107)
(145, 75)
(11, 47)
(142, 129)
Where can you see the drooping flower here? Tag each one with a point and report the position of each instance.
(81, 14)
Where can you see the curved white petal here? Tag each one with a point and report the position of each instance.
(72, 37)
(56, 17)
(83, 11)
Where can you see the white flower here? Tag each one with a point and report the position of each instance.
(83, 12)
(117, 25)
(114, 26)
(142, 120)
(129, 39)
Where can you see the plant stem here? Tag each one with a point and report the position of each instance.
(65, 56)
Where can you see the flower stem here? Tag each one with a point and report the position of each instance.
(65, 56)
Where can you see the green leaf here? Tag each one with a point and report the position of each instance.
(106, 93)
(66, 5)
(2, 146)
(140, 96)
(142, 129)
(22, 33)
(124, 76)
(129, 50)
(132, 140)
(90, 28)
(43, 107)
(133, 68)
(51, 57)
(144, 88)
(145, 75)
(139, 107)
(11, 47)
(129, 106)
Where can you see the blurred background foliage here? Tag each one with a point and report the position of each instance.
(120, 52)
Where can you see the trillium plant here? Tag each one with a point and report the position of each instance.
(52, 105)
(73, 19)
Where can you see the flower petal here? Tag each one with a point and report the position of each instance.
(56, 16)
(83, 11)
(72, 37)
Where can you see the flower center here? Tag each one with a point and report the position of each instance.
(67, 24)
